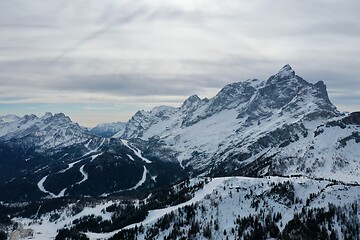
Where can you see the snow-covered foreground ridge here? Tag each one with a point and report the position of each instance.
(220, 204)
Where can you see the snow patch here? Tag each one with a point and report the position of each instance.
(85, 175)
(130, 157)
(41, 187)
(142, 180)
(136, 151)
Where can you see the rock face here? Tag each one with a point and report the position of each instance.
(353, 118)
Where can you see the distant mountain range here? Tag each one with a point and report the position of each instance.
(281, 126)
(108, 129)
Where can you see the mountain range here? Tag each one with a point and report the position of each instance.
(281, 126)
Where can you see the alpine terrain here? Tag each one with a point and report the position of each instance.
(270, 159)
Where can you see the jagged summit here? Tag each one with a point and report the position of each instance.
(190, 101)
(286, 69)
(47, 115)
(285, 73)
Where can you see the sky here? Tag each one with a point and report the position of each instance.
(102, 60)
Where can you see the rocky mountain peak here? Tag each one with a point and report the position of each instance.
(288, 92)
(57, 119)
(285, 73)
(190, 101)
(140, 113)
(47, 115)
(232, 95)
(60, 116)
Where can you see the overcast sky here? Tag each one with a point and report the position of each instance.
(101, 60)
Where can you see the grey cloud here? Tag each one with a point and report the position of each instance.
(138, 85)
(120, 21)
(28, 74)
(24, 25)
(216, 73)
(154, 47)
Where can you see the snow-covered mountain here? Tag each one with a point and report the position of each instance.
(253, 128)
(43, 133)
(108, 129)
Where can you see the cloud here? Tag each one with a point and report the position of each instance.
(120, 21)
(161, 51)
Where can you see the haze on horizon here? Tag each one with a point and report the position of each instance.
(101, 61)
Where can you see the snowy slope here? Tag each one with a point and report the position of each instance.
(46, 229)
(228, 200)
(222, 204)
(330, 150)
